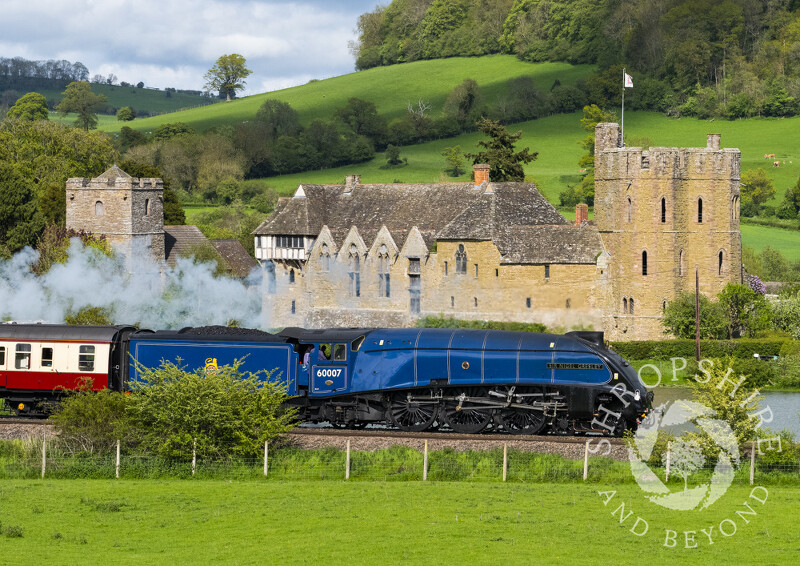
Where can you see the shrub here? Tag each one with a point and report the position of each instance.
(446, 322)
(666, 349)
(92, 421)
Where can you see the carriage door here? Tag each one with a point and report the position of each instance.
(2, 366)
(329, 372)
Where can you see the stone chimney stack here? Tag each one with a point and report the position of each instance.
(481, 173)
(581, 213)
(713, 141)
(350, 181)
(606, 136)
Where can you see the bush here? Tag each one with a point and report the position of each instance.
(92, 421)
(666, 349)
(446, 322)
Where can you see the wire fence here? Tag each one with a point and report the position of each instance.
(48, 459)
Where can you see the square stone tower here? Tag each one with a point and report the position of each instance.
(663, 214)
(128, 211)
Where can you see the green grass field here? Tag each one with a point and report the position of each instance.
(389, 88)
(258, 522)
(759, 237)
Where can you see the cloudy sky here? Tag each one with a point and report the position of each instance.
(172, 43)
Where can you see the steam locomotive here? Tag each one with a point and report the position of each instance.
(413, 379)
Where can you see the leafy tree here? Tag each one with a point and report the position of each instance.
(128, 138)
(53, 247)
(222, 413)
(227, 75)
(775, 266)
(126, 114)
(786, 315)
(757, 188)
(592, 115)
(679, 318)
(92, 422)
(79, 98)
(393, 155)
(465, 103)
(265, 201)
(454, 158)
(20, 221)
(89, 316)
(31, 106)
(747, 310)
(362, 117)
(170, 130)
(279, 117)
(790, 207)
(506, 164)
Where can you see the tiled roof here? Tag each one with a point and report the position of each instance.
(564, 243)
(179, 240)
(239, 261)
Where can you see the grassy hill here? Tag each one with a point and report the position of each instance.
(389, 88)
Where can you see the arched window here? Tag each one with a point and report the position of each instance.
(98, 208)
(735, 208)
(291, 276)
(699, 210)
(681, 262)
(625, 305)
(630, 210)
(461, 260)
(664, 306)
(147, 207)
(720, 262)
(630, 306)
(355, 272)
(384, 285)
(644, 263)
(663, 210)
(325, 258)
(569, 303)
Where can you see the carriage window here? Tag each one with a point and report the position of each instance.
(2, 356)
(339, 352)
(23, 359)
(47, 357)
(86, 358)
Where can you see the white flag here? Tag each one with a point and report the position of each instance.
(628, 80)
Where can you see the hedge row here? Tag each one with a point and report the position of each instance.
(446, 322)
(665, 349)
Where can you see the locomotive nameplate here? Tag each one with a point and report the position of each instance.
(575, 366)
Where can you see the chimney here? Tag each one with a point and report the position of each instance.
(481, 173)
(581, 213)
(606, 137)
(350, 181)
(713, 141)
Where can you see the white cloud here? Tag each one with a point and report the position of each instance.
(174, 43)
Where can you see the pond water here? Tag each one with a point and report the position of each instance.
(785, 405)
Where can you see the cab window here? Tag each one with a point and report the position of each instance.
(340, 352)
(86, 358)
(23, 358)
(47, 357)
(324, 352)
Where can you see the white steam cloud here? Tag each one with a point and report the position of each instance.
(186, 295)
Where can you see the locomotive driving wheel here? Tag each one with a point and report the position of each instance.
(518, 420)
(412, 415)
(465, 416)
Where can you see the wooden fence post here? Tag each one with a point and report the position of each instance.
(752, 462)
(505, 460)
(669, 448)
(116, 469)
(194, 454)
(586, 461)
(266, 455)
(425, 463)
(44, 455)
(347, 462)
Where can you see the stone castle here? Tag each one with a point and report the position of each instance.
(386, 254)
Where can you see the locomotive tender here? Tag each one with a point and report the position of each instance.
(415, 379)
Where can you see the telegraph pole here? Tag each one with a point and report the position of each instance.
(697, 310)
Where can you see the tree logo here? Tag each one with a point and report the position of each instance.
(687, 457)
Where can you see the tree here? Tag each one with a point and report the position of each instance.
(465, 103)
(128, 138)
(31, 106)
(53, 247)
(279, 117)
(747, 310)
(20, 221)
(170, 130)
(227, 75)
(506, 164)
(393, 155)
(679, 318)
(79, 98)
(126, 114)
(757, 189)
(790, 206)
(454, 158)
(362, 117)
(687, 458)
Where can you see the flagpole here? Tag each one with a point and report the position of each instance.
(623, 108)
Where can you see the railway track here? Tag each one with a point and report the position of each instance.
(500, 437)
(13, 419)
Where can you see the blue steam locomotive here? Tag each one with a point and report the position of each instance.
(413, 379)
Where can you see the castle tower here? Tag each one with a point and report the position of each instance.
(128, 211)
(662, 213)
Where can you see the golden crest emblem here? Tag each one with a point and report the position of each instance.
(211, 366)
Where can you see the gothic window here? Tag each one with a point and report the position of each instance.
(452, 302)
(644, 263)
(569, 303)
(699, 210)
(325, 258)
(461, 260)
(476, 270)
(147, 207)
(355, 272)
(445, 269)
(630, 210)
(625, 305)
(663, 210)
(291, 276)
(476, 302)
(98, 208)
(735, 208)
(630, 306)
(664, 306)
(414, 289)
(547, 272)
(294, 308)
(384, 285)
(528, 302)
(720, 262)
(681, 262)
